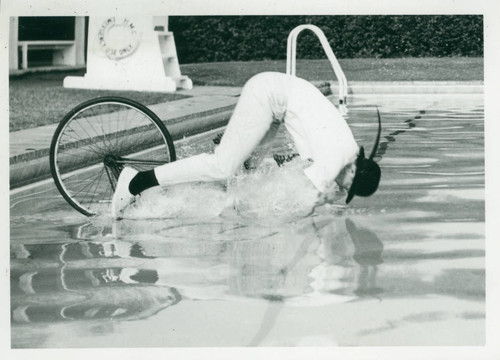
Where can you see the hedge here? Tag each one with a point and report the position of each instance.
(245, 38)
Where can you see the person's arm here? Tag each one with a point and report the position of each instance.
(258, 155)
(271, 133)
(322, 175)
(330, 196)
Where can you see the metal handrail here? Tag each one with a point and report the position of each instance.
(292, 53)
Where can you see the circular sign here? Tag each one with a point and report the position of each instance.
(118, 39)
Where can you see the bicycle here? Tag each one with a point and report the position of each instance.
(95, 140)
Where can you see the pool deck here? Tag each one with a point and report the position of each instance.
(208, 107)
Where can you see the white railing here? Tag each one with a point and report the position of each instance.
(292, 53)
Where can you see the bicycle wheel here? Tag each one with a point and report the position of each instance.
(93, 143)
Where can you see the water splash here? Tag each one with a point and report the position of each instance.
(192, 200)
(270, 192)
(274, 193)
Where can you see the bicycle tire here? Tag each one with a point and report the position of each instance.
(96, 136)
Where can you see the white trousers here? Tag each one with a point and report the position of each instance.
(248, 125)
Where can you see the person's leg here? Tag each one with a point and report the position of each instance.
(142, 181)
(248, 125)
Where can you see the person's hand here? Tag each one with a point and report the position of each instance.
(330, 196)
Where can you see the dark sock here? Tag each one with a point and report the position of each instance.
(142, 181)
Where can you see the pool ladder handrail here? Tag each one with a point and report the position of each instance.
(292, 53)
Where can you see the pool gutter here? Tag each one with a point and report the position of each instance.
(412, 87)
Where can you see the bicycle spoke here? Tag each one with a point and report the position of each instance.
(96, 183)
(80, 177)
(105, 139)
(89, 136)
(110, 178)
(97, 150)
(88, 185)
(129, 161)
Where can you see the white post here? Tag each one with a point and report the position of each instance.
(25, 56)
(292, 53)
(13, 38)
(79, 41)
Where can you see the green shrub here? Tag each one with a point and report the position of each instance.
(245, 38)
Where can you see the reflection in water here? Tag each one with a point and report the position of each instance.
(275, 267)
(350, 258)
(82, 281)
(368, 254)
(272, 263)
(295, 277)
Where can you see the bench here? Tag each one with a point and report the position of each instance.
(64, 51)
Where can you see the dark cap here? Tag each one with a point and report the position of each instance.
(367, 175)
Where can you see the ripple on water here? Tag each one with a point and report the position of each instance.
(451, 195)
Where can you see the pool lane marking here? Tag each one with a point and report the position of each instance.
(391, 136)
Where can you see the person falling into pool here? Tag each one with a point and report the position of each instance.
(268, 99)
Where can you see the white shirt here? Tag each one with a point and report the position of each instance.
(318, 129)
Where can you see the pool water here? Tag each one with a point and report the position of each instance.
(244, 264)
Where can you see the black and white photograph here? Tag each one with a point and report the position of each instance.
(219, 179)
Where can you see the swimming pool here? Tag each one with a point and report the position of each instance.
(403, 267)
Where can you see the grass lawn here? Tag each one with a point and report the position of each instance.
(408, 69)
(38, 99)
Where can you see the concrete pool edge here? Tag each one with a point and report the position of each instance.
(412, 87)
(213, 110)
